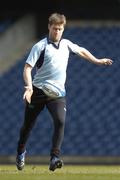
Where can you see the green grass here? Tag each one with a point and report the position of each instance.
(40, 172)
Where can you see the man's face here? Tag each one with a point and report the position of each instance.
(55, 32)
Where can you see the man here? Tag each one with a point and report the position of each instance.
(50, 56)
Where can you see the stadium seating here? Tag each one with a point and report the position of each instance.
(6, 23)
(93, 101)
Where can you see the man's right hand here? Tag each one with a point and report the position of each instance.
(27, 94)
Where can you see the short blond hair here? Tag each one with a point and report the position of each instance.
(57, 18)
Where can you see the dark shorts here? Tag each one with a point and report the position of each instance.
(40, 97)
(56, 107)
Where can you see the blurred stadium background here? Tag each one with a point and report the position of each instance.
(92, 133)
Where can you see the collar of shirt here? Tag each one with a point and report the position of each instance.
(56, 45)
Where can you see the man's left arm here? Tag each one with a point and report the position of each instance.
(84, 53)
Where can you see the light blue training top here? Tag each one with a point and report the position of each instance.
(51, 61)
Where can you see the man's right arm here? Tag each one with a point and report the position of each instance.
(28, 82)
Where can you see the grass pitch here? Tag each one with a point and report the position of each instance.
(68, 172)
